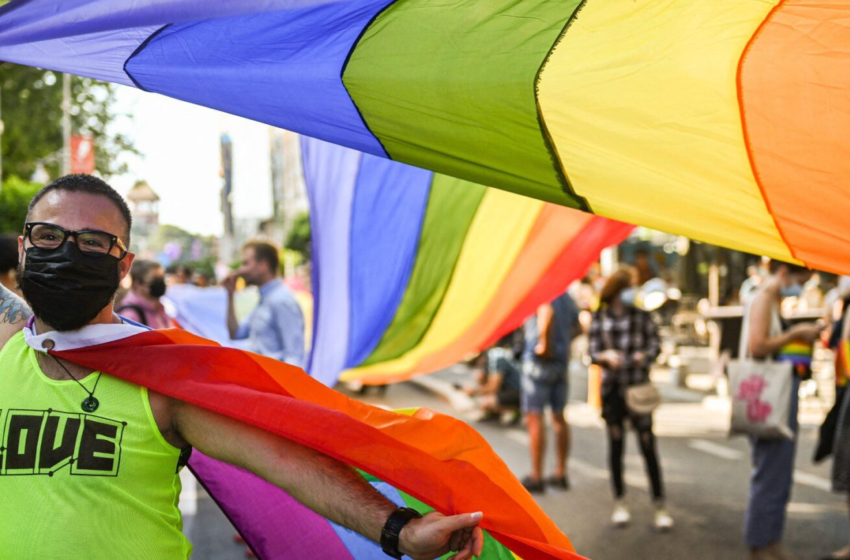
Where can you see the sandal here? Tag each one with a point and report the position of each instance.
(533, 486)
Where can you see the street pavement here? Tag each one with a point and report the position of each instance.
(705, 472)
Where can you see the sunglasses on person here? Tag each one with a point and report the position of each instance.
(89, 241)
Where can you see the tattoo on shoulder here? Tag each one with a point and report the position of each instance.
(12, 308)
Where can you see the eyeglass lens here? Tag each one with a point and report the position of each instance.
(49, 237)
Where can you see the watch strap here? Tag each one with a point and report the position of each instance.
(392, 530)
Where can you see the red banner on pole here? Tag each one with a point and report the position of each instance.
(82, 154)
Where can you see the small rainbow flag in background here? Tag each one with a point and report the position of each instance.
(799, 353)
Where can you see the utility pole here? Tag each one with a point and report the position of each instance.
(1, 137)
(66, 124)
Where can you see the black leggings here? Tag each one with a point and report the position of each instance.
(617, 447)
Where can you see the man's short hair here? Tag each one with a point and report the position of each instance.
(8, 253)
(774, 265)
(90, 185)
(265, 252)
(141, 268)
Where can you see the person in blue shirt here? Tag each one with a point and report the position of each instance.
(548, 336)
(276, 327)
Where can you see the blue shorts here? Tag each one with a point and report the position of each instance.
(544, 383)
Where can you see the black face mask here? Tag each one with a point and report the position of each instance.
(67, 288)
(157, 287)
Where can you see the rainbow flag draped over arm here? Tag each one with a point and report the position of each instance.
(727, 121)
(425, 457)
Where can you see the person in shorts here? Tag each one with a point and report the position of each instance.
(548, 336)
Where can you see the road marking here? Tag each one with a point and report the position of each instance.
(716, 449)
(518, 437)
(800, 477)
(812, 480)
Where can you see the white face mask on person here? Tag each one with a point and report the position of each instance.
(628, 296)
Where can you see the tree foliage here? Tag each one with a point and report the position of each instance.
(15, 197)
(299, 237)
(31, 110)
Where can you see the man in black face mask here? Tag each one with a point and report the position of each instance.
(142, 303)
(66, 456)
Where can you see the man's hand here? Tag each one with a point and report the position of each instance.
(639, 358)
(229, 283)
(540, 348)
(435, 534)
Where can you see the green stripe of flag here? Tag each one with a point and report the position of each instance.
(450, 86)
(452, 205)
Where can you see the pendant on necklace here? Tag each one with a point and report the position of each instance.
(90, 404)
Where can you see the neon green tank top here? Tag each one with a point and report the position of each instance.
(97, 486)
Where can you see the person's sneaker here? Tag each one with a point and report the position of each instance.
(533, 486)
(621, 516)
(559, 482)
(663, 522)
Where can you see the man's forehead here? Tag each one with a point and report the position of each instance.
(78, 211)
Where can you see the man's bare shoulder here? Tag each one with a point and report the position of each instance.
(13, 315)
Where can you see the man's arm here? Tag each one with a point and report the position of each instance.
(233, 327)
(328, 487)
(13, 315)
(544, 317)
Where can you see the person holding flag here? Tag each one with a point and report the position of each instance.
(102, 454)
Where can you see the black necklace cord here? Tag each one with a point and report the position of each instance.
(90, 403)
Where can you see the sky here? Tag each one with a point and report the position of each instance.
(179, 145)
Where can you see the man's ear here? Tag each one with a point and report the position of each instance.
(126, 264)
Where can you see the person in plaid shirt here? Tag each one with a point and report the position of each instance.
(624, 341)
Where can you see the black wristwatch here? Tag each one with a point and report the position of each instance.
(389, 535)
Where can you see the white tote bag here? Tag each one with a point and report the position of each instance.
(760, 390)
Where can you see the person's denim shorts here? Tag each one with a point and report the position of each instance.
(544, 383)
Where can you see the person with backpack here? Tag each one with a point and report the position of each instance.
(142, 303)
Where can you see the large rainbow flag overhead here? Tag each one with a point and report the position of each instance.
(727, 120)
(415, 270)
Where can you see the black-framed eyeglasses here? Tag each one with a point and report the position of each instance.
(90, 241)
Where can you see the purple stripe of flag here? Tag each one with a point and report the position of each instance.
(273, 523)
(330, 172)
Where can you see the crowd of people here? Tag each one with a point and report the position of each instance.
(526, 372)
